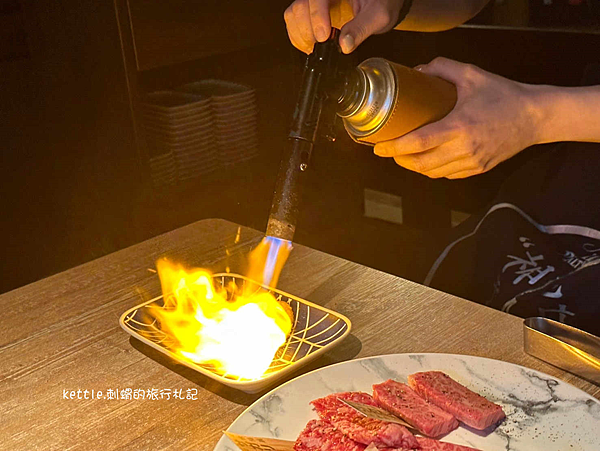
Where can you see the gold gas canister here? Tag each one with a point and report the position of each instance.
(382, 100)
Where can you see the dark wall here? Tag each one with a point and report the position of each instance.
(65, 137)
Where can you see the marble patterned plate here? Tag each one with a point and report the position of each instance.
(543, 413)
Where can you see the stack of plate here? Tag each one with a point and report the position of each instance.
(179, 129)
(235, 117)
(163, 170)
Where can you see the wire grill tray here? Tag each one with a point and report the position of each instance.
(315, 330)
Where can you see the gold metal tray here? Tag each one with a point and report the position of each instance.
(563, 346)
(315, 331)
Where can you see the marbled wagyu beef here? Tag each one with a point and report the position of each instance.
(467, 406)
(402, 401)
(320, 436)
(358, 427)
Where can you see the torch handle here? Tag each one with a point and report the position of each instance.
(286, 199)
(320, 68)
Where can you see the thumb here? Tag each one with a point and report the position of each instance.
(370, 20)
(444, 68)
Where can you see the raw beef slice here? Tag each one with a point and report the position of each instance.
(321, 436)
(358, 427)
(467, 406)
(402, 401)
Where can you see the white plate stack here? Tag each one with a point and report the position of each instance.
(163, 170)
(180, 135)
(235, 117)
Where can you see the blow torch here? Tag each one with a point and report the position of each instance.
(320, 72)
(378, 101)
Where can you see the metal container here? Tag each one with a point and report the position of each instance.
(382, 100)
(315, 331)
(563, 346)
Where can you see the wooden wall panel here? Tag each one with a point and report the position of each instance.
(176, 31)
(13, 38)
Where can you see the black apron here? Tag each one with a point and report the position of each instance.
(536, 250)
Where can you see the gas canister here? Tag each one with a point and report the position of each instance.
(381, 100)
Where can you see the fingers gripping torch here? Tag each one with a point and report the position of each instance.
(320, 73)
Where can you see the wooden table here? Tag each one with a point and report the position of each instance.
(62, 334)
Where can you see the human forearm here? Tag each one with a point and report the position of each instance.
(565, 114)
(439, 15)
(494, 119)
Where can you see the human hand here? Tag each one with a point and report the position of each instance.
(309, 21)
(493, 119)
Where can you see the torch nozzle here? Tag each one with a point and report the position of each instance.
(320, 68)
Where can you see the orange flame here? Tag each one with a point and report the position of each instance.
(236, 333)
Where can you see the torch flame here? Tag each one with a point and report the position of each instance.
(267, 260)
(235, 332)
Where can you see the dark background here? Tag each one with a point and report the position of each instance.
(74, 183)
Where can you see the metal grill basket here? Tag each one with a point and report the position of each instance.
(315, 330)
